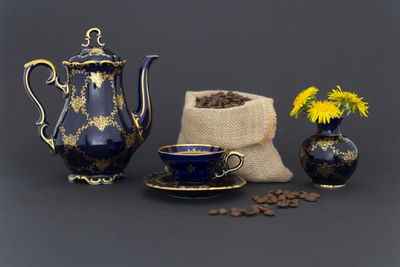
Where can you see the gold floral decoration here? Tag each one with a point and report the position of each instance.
(130, 139)
(98, 78)
(78, 102)
(70, 140)
(102, 164)
(120, 101)
(190, 168)
(101, 122)
(349, 155)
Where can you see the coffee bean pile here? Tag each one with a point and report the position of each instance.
(286, 198)
(221, 100)
(281, 198)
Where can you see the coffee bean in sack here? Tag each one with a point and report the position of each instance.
(221, 100)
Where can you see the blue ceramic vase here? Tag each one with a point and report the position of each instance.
(328, 157)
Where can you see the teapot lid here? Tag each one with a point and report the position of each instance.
(94, 55)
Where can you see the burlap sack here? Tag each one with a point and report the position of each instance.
(248, 129)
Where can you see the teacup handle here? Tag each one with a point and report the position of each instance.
(237, 167)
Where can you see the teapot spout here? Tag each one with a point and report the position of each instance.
(143, 115)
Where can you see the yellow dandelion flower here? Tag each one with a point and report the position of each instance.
(301, 99)
(349, 102)
(323, 111)
(362, 108)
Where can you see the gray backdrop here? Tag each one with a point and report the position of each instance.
(274, 48)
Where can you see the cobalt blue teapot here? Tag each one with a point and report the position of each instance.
(96, 134)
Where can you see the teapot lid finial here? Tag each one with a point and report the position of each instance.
(94, 55)
(88, 38)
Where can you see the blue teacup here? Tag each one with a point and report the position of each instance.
(198, 163)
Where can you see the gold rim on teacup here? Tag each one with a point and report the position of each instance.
(223, 150)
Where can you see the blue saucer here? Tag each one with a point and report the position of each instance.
(165, 181)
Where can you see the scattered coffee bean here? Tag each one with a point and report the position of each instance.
(221, 100)
(235, 213)
(264, 207)
(310, 198)
(293, 203)
(261, 200)
(295, 193)
(315, 194)
(213, 212)
(302, 195)
(270, 201)
(282, 204)
(282, 199)
(252, 212)
(278, 192)
(242, 210)
(290, 196)
(222, 211)
(269, 213)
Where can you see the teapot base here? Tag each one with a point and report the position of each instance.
(95, 179)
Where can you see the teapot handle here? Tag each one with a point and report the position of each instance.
(53, 79)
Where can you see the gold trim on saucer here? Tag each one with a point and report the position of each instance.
(188, 188)
(191, 154)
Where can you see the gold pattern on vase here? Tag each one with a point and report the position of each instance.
(348, 157)
(326, 169)
(98, 78)
(324, 144)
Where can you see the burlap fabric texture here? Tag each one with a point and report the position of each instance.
(249, 129)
